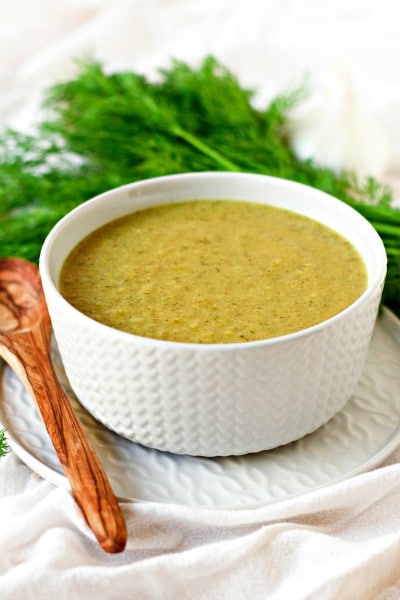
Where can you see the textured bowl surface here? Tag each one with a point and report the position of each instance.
(214, 399)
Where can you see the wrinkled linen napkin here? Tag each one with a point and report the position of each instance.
(341, 542)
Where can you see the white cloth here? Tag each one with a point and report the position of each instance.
(342, 542)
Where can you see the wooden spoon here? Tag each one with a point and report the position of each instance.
(25, 334)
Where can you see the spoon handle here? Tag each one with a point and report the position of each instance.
(89, 483)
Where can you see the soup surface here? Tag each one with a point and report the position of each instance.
(212, 271)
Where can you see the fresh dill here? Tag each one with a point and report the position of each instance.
(104, 130)
(4, 448)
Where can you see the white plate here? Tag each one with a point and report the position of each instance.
(362, 435)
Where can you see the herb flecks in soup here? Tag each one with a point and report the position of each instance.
(210, 271)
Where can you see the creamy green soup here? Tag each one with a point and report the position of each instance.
(212, 271)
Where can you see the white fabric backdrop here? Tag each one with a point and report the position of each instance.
(341, 542)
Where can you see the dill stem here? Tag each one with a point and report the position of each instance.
(384, 229)
(392, 252)
(376, 214)
(194, 141)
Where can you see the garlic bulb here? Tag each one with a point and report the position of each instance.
(334, 129)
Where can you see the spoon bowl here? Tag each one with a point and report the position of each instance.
(21, 304)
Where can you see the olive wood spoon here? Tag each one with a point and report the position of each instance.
(25, 338)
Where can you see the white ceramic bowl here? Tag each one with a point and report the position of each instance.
(214, 399)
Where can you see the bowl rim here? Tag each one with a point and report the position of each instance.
(51, 288)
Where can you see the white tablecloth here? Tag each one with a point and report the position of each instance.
(342, 542)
